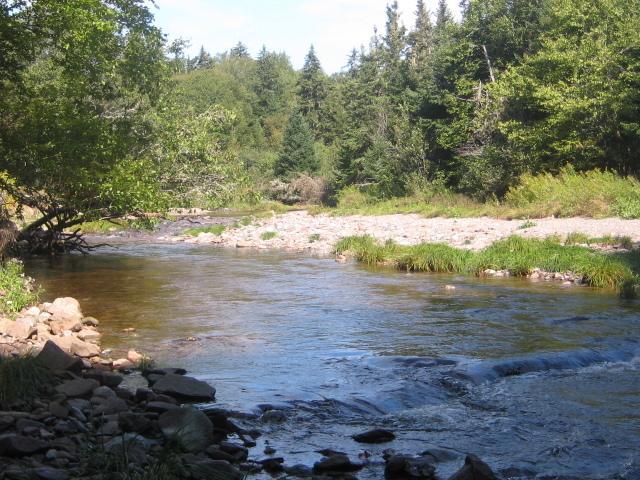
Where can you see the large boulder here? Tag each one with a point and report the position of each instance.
(191, 428)
(184, 388)
(54, 358)
(65, 308)
(474, 469)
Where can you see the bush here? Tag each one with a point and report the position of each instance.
(595, 193)
(303, 189)
(21, 379)
(16, 290)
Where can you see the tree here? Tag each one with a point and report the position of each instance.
(297, 154)
(74, 112)
(312, 91)
(203, 60)
(239, 51)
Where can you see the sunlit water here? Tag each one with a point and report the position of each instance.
(539, 381)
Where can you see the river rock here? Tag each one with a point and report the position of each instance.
(190, 427)
(474, 469)
(58, 410)
(84, 349)
(134, 357)
(206, 469)
(90, 321)
(88, 335)
(54, 358)
(80, 387)
(65, 308)
(160, 407)
(164, 371)
(405, 467)
(48, 473)
(21, 328)
(108, 379)
(336, 463)
(238, 452)
(182, 387)
(12, 445)
(378, 435)
(272, 464)
(135, 422)
(122, 364)
(63, 325)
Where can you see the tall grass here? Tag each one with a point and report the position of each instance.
(21, 379)
(16, 289)
(595, 193)
(216, 229)
(517, 255)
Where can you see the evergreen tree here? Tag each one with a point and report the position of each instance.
(421, 38)
(297, 154)
(312, 91)
(239, 51)
(203, 60)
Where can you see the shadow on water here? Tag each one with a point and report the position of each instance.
(532, 377)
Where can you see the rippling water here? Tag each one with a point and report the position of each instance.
(538, 380)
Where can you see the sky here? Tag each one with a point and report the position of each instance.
(334, 27)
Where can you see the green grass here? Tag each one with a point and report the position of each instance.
(118, 224)
(243, 222)
(268, 235)
(527, 224)
(518, 255)
(314, 237)
(21, 379)
(216, 229)
(16, 289)
(577, 238)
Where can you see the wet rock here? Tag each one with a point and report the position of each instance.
(144, 395)
(474, 469)
(135, 422)
(134, 357)
(207, 469)
(164, 371)
(6, 422)
(216, 454)
(87, 335)
(300, 471)
(268, 450)
(328, 452)
(336, 463)
(84, 349)
(80, 387)
(378, 435)
(110, 406)
(65, 308)
(404, 467)
(54, 358)
(273, 416)
(189, 427)
(437, 455)
(90, 321)
(103, 392)
(238, 452)
(12, 445)
(185, 388)
(160, 407)
(272, 464)
(122, 364)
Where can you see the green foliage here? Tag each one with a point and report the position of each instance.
(18, 290)
(314, 237)
(576, 238)
(518, 255)
(21, 379)
(214, 229)
(268, 235)
(527, 224)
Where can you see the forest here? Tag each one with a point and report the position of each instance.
(102, 116)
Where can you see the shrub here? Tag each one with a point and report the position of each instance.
(16, 290)
(21, 379)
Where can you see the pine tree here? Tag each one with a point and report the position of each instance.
(443, 15)
(421, 38)
(203, 60)
(297, 154)
(268, 86)
(239, 51)
(312, 91)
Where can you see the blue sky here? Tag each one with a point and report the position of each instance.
(334, 27)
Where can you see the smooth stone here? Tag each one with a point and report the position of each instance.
(378, 435)
(299, 470)
(474, 469)
(54, 358)
(65, 308)
(58, 410)
(238, 452)
(80, 387)
(104, 392)
(84, 349)
(122, 364)
(184, 387)
(400, 467)
(207, 469)
(272, 464)
(59, 326)
(87, 335)
(135, 422)
(47, 473)
(105, 378)
(160, 407)
(191, 428)
(110, 406)
(164, 371)
(90, 321)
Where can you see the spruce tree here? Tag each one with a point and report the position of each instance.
(421, 38)
(312, 91)
(239, 51)
(297, 154)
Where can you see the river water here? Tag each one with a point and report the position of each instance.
(539, 381)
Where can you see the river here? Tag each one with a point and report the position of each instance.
(538, 380)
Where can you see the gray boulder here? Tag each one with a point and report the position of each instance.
(185, 388)
(191, 428)
(54, 358)
(404, 467)
(19, 446)
(474, 469)
(80, 387)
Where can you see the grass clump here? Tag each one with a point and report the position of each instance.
(21, 379)
(577, 238)
(119, 224)
(517, 255)
(268, 235)
(527, 224)
(243, 222)
(16, 289)
(314, 237)
(216, 229)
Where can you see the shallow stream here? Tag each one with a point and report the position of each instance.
(538, 380)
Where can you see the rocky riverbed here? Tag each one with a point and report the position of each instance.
(85, 424)
(318, 234)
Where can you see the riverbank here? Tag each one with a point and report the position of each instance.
(318, 234)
